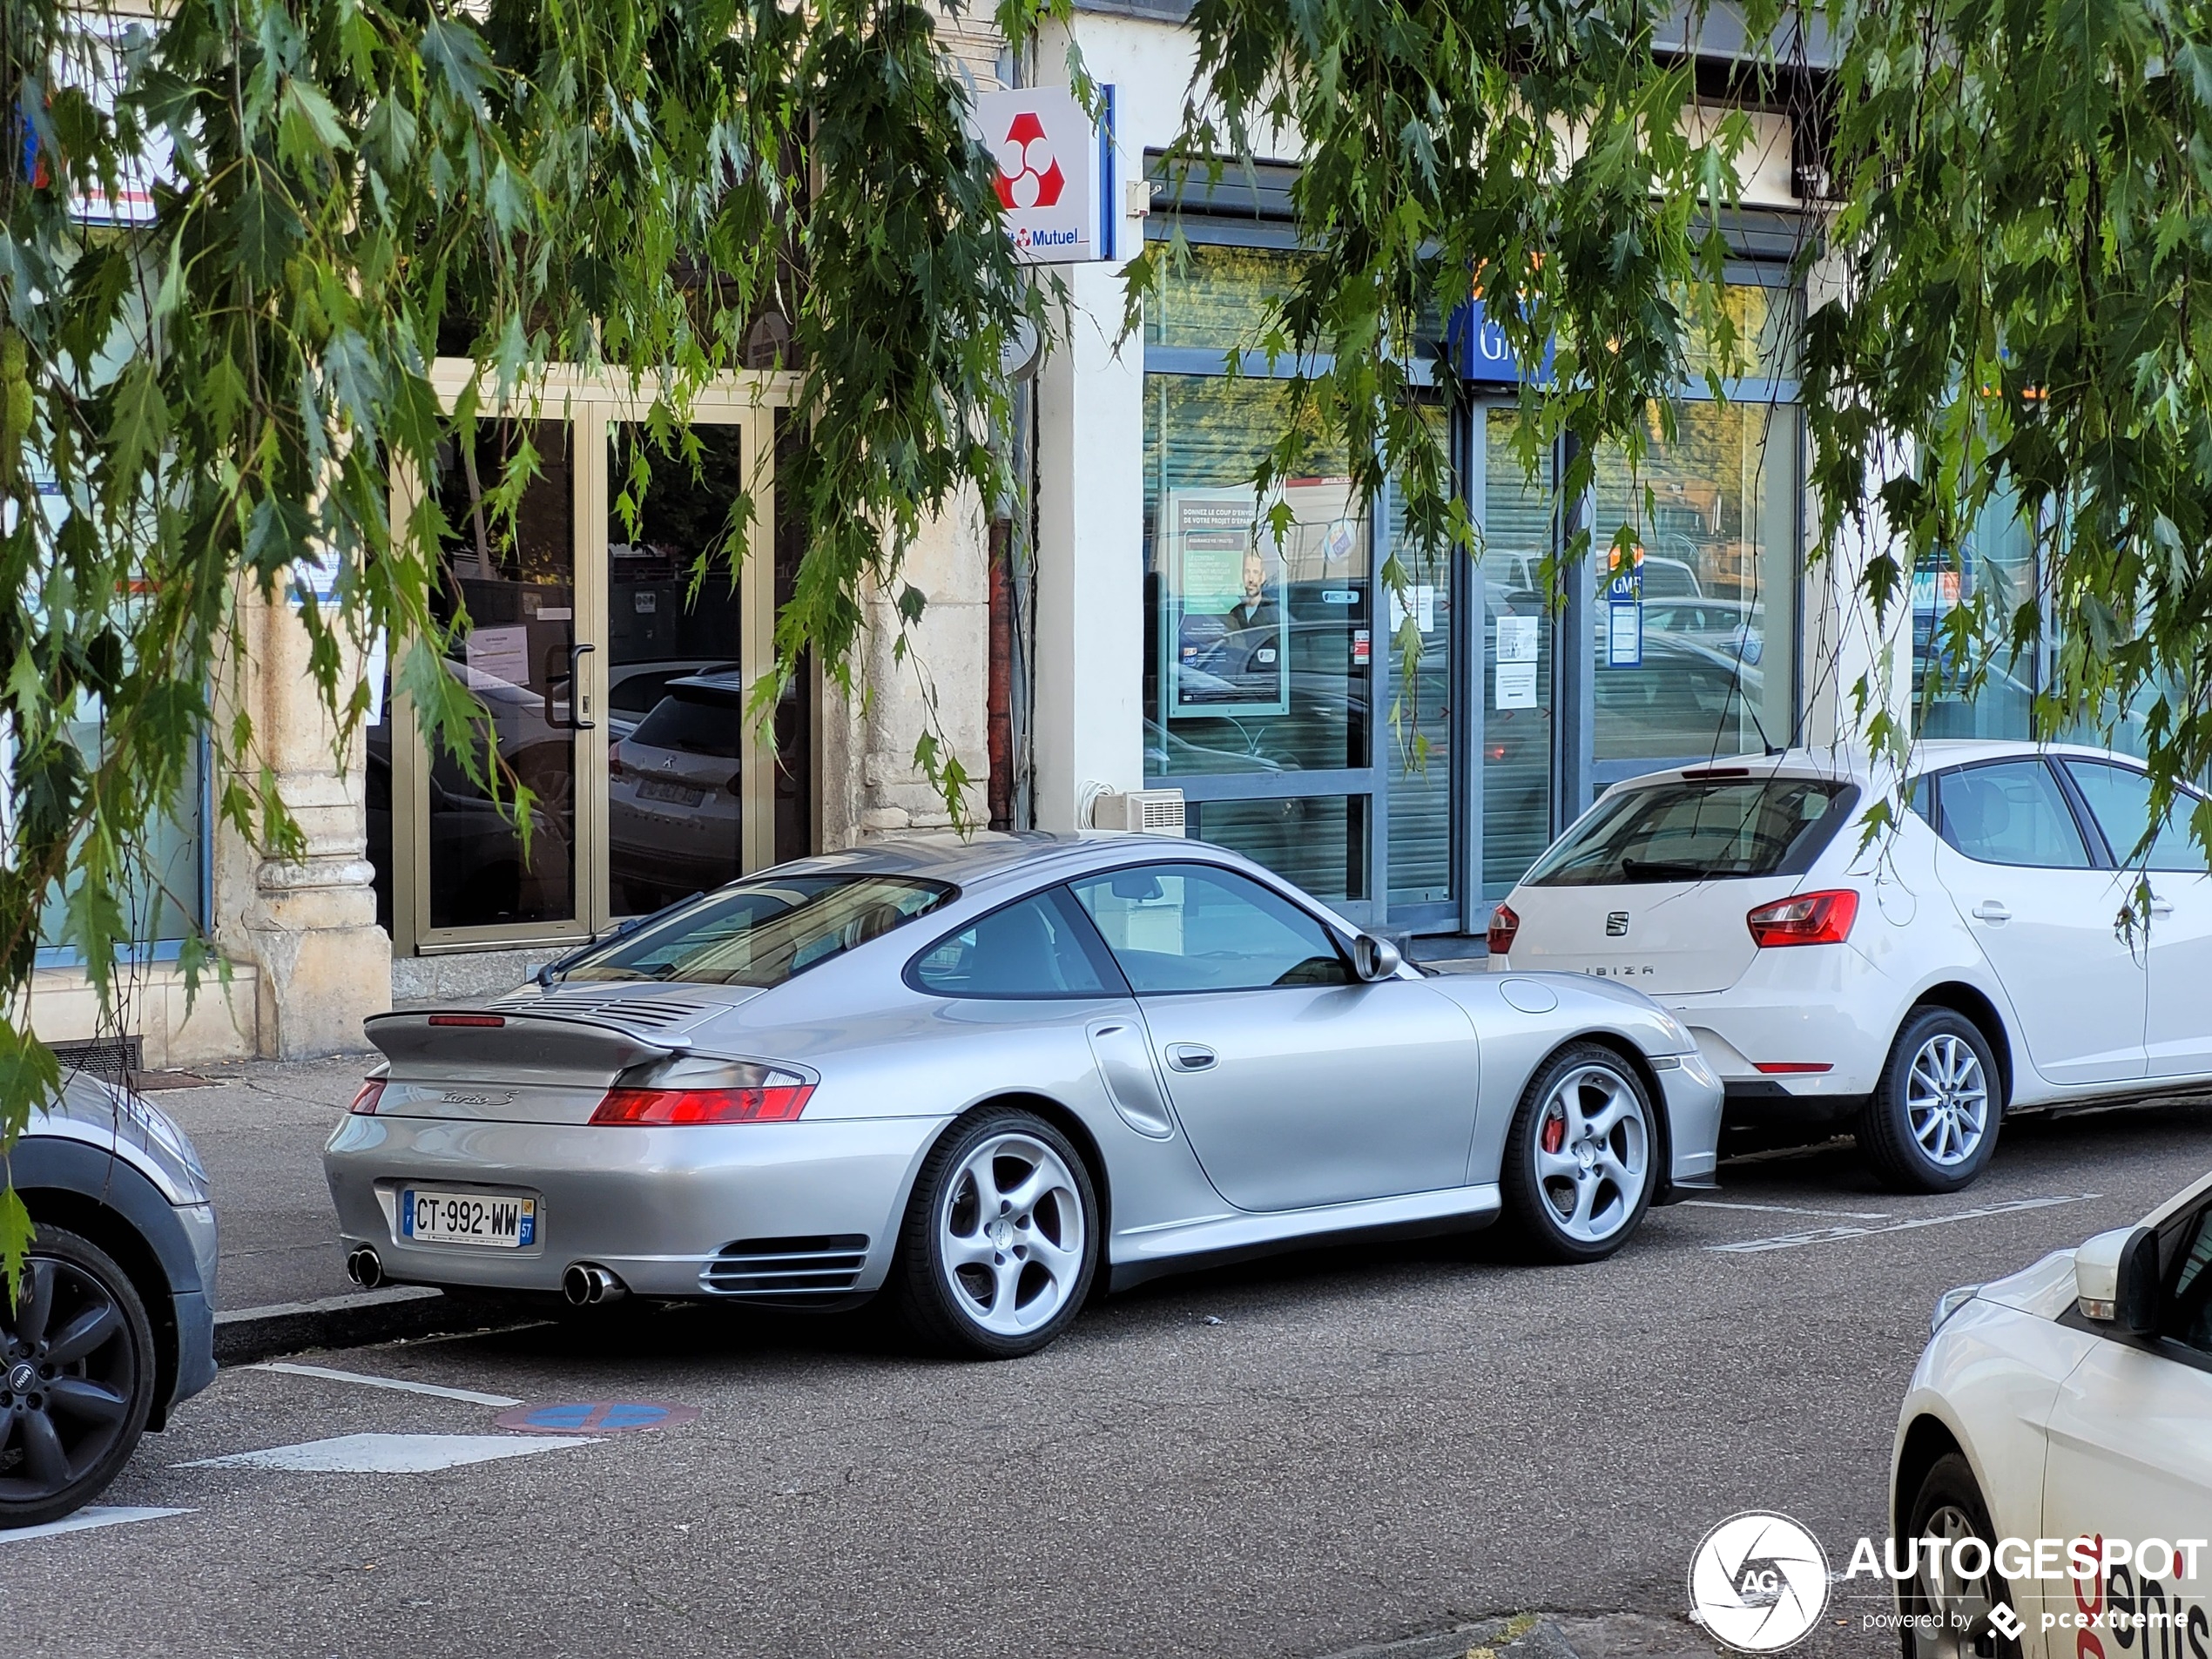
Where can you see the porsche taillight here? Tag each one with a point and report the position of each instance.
(775, 1101)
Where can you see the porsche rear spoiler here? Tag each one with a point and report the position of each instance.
(485, 1043)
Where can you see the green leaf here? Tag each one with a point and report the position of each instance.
(264, 228)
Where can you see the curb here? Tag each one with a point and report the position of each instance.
(245, 1335)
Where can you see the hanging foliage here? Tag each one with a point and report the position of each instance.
(214, 390)
(241, 237)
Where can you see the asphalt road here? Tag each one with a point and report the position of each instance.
(260, 1127)
(1295, 1458)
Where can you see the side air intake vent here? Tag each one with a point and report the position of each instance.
(824, 1265)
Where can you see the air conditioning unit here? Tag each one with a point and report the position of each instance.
(1141, 812)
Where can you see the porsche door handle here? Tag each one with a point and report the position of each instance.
(2161, 906)
(1190, 1056)
(1990, 910)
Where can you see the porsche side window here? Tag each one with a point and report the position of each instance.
(1034, 948)
(1190, 928)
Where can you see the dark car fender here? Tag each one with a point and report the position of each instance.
(74, 1185)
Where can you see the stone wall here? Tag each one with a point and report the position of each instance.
(870, 786)
(308, 924)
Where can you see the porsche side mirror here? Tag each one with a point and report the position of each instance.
(2115, 1279)
(1375, 957)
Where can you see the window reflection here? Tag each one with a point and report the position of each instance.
(1707, 665)
(675, 694)
(514, 581)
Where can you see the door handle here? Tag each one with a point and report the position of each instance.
(1990, 910)
(2161, 906)
(576, 689)
(1190, 1056)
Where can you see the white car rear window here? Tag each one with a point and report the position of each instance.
(1699, 830)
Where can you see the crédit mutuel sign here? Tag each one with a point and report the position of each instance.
(1055, 171)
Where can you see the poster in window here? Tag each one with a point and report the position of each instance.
(1227, 632)
(1225, 598)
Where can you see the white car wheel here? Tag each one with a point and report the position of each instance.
(1951, 1615)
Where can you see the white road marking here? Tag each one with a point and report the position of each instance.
(469, 1395)
(1786, 1210)
(1831, 1235)
(392, 1453)
(99, 1515)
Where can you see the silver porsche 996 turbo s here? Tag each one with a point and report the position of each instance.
(981, 1076)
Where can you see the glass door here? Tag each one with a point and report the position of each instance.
(681, 760)
(1513, 680)
(614, 673)
(509, 581)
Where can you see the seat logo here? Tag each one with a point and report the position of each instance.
(1616, 924)
(1758, 1582)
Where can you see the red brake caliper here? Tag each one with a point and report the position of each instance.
(1555, 1131)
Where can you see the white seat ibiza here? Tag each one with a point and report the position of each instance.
(1912, 986)
(2066, 1407)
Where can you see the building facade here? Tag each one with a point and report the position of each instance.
(1153, 636)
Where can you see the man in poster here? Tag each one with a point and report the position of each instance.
(1226, 588)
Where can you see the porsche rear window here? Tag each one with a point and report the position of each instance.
(762, 933)
(1699, 830)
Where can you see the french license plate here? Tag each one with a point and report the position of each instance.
(429, 1217)
(676, 795)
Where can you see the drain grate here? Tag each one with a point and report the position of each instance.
(113, 1059)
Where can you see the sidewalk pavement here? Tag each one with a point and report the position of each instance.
(281, 1283)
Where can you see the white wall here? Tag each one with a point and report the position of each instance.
(1089, 711)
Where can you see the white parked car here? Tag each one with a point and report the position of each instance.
(2070, 1402)
(1914, 987)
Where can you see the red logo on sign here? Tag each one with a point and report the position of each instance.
(1030, 175)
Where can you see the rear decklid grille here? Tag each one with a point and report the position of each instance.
(504, 1065)
(628, 1011)
(626, 1008)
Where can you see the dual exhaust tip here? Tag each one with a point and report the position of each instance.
(585, 1284)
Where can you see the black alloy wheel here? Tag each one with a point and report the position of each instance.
(76, 1379)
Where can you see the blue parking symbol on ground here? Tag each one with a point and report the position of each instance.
(595, 1417)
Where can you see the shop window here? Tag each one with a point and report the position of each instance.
(1258, 649)
(1694, 636)
(164, 899)
(1214, 297)
(1981, 585)
(1318, 841)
